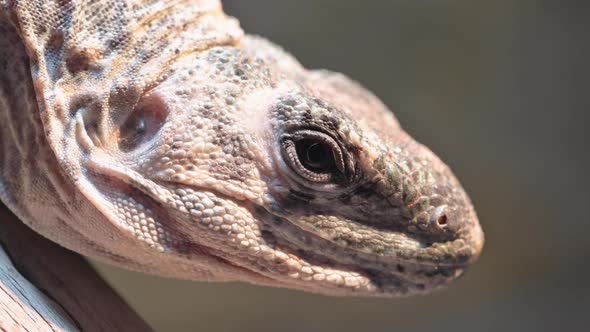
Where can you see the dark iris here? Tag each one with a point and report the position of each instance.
(315, 155)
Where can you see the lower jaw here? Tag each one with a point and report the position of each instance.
(391, 278)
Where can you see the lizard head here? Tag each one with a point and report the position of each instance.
(242, 165)
(188, 150)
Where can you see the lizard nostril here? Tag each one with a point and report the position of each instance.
(442, 220)
(439, 218)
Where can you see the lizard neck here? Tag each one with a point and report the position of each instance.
(30, 183)
(22, 149)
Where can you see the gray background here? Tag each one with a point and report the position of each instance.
(499, 89)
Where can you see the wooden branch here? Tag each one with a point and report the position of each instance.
(44, 287)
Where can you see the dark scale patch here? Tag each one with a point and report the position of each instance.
(90, 101)
(3, 65)
(346, 198)
(41, 29)
(333, 122)
(85, 59)
(55, 42)
(53, 52)
(224, 120)
(292, 115)
(233, 172)
(301, 196)
(236, 162)
(228, 170)
(445, 272)
(234, 144)
(118, 41)
(232, 65)
(364, 190)
(124, 261)
(384, 282)
(298, 201)
(190, 248)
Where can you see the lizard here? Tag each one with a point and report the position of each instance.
(159, 137)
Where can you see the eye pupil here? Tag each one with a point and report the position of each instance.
(315, 156)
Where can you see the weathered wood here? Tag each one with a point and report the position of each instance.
(44, 287)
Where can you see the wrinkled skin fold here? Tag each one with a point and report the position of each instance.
(174, 144)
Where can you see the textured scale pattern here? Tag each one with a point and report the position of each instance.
(139, 220)
(157, 136)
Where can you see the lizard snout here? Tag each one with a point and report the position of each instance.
(427, 204)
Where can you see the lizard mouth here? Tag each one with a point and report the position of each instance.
(393, 271)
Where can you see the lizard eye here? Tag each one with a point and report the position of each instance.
(314, 156)
(142, 124)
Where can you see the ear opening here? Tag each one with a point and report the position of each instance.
(143, 123)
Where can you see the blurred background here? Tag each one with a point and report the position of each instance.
(500, 91)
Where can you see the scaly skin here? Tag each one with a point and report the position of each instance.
(162, 139)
